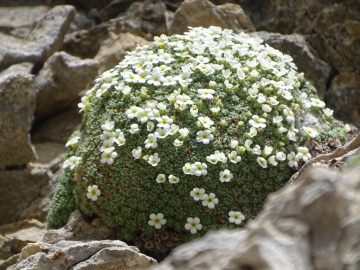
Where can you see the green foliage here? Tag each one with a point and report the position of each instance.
(241, 79)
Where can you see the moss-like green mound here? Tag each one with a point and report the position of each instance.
(191, 134)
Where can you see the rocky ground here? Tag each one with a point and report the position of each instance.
(51, 51)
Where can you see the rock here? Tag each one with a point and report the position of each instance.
(4, 264)
(204, 13)
(27, 193)
(79, 227)
(105, 254)
(343, 97)
(310, 224)
(305, 57)
(44, 39)
(60, 81)
(15, 236)
(48, 151)
(113, 9)
(18, 68)
(17, 103)
(85, 43)
(17, 21)
(145, 19)
(114, 49)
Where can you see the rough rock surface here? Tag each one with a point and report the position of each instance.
(204, 13)
(18, 68)
(310, 224)
(17, 104)
(305, 57)
(44, 39)
(105, 254)
(60, 81)
(26, 193)
(79, 228)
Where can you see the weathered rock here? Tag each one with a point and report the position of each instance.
(17, 103)
(80, 228)
(343, 97)
(114, 49)
(27, 193)
(18, 68)
(15, 236)
(47, 151)
(316, 71)
(204, 13)
(44, 39)
(75, 255)
(17, 21)
(85, 43)
(114, 9)
(145, 19)
(310, 224)
(60, 81)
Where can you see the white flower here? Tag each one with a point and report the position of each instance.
(178, 143)
(151, 141)
(293, 159)
(72, 162)
(272, 161)
(266, 108)
(107, 135)
(132, 112)
(206, 93)
(134, 128)
(150, 126)
(236, 217)
(303, 153)
(347, 128)
(328, 112)
(233, 157)
(291, 136)
(277, 119)
(173, 129)
(157, 220)
(262, 162)
(136, 152)
(109, 125)
(193, 224)
(199, 168)
(234, 143)
(119, 137)
(221, 156)
(247, 145)
(161, 133)
(184, 100)
(261, 98)
(212, 159)
(74, 141)
(209, 200)
(161, 178)
(154, 159)
(256, 150)
(280, 156)
(225, 176)
(108, 156)
(107, 145)
(183, 132)
(188, 169)
(144, 115)
(204, 136)
(257, 122)
(317, 103)
(289, 115)
(197, 193)
(173, 179)
(206, 121)
(282, 129)
(194, 110)
(93, 192)
(215, 110)
(273, 101)
(252, 132)
(164, 122)
(310, 132)
(161, 106)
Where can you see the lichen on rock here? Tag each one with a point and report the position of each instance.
(190, 135)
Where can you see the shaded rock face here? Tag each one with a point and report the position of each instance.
(17, 104)
(310, 224)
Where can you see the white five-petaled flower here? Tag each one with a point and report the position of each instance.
(74, 141)
(233, 157)
(151, 141)
(236, 217)
(136, 153)
(188, 169)
(262, 162)
(252, 132)
(157, 220)
(144, 115)
(280, 156)
(328, 112)
(93, 192)
(164, 122)
(119, 137)
(204, 136)
(289, 115)
(293, 159)
(317, 103)
(257, 122)
(154, 159)
(209, 200)
(108, 156)
(183, 132)
(212, 159)
(310, 132)
(109, 125)
(132, 112)
(206, 93)
(272, 161)
(199, 168)
(161, 133)
(197, 193)
(206, 121)
(303, 153)
(234, 143)
(178, 143)
(72, 162)
(193, 224)
(225, 176)
(161, 178)
(183, 100)
(134, 128)
(173, 179)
